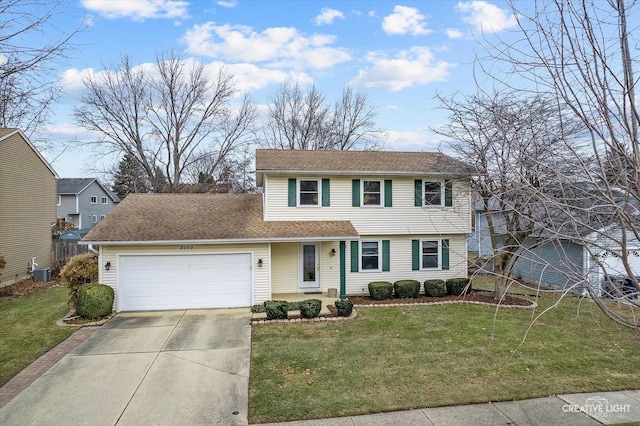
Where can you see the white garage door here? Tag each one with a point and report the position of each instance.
(157, 282)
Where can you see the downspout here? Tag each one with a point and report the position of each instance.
(343, 270)
(93, 250)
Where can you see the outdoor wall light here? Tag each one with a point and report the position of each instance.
(332, 252)
(107, 266)
(259, 263)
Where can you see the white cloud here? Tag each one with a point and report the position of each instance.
(228, 3)
(249, 77)
(138, 10)
(486, 17)
(415, 66)
(453, 33)
(327, 16)
(72, 79)
(410, 141)
(405, 20)
(277, 46)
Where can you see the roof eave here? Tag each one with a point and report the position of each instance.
(259, 173)
(224, 241)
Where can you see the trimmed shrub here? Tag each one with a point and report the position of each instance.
(293, 306)
(80, 269)
(435, 288)
(455, 286)
(94, 301)
(276, 309)
(258, 308)
(310, 308)
(407, 289)
(380, 290)
(344, 307)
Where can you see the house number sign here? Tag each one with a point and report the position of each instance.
(186, 247)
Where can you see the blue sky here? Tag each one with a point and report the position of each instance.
(400, 53)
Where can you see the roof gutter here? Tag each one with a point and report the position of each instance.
(228, 241)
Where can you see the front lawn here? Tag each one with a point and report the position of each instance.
(28, 328)
(426, 356)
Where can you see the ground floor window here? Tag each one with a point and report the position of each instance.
(370, 258)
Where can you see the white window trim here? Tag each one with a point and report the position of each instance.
(104, 200)
(319, 182)
(361, 269)
(442, 185)
(439, 267)
(93, 199)
(59, 200)
(362, 204)
(94, 219)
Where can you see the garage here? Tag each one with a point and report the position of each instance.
(180, 281)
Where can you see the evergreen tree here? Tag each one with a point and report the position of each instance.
(129, 178)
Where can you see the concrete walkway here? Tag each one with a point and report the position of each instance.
(605, 408)
(180, 367)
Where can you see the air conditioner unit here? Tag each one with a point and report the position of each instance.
(42, 275)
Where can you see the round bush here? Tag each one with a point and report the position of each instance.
(94, 301)
(276, 309)
(380, 290)
(456, 286)
(344, 307)
(407, 289)
(310, 308)
(435, 288)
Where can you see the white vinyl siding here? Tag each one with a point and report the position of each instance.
(284, 275)
(401, 262)
(403, 218)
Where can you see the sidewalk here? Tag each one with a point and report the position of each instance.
(606, 408)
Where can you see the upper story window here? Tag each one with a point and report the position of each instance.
(59, 201)
(308, 192)
(372, 193)
(104, 200)
(433, 193)
(94, 199)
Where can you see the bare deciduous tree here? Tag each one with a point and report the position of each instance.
(167, 116)
(580, 53)
(303, 120)
(514, 145)
(31, 45)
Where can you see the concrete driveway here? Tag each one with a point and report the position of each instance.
(179, 367)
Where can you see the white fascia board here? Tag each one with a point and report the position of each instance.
(201, 242)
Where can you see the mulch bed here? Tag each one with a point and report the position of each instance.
(25, 287)
(474, 296)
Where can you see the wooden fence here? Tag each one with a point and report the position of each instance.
(64, 249)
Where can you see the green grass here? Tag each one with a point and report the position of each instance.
(28, 328)
(426, 356)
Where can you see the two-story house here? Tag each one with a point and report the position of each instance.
(325, 219)
(27, 206)
(84, 201)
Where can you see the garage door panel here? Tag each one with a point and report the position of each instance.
(152, 282)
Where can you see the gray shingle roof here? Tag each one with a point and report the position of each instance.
(383, 162)
(204, 217)
(73, 186)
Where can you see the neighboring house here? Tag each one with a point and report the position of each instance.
(592, 259)
(84, 201)
(27, 206)
(326, 219)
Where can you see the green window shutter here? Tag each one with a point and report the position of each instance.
(326, 196)
(386, 255)
(445, 254)
(355, 258)
(415, 255)
(448, 193)
(388, 197)
(418, 193)
(355, 193)
(292, 192)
